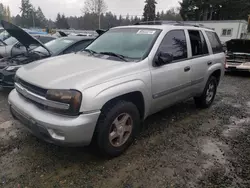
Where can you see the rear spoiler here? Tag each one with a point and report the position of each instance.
(62, 34)
(101, 31)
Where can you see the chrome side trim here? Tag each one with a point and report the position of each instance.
(39, 99)
(174, 89)
(197, 81)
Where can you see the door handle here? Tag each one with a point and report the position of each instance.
(186, 69)
(209, 63)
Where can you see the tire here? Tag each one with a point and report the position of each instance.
(107, 126)
(204, 101)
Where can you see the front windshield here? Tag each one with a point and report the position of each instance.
(56, 46)
(133, 43)
(10, 41)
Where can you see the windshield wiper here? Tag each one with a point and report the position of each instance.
(90, 51)
(122, 57)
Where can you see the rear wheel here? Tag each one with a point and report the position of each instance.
(208, 95)
(116, 127)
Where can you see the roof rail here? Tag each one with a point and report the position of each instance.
(166, 22)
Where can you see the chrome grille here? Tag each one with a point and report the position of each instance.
(34, 89)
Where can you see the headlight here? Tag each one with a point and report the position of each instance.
(13, 68)
(71, 97)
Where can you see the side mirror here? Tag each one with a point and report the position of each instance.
(163, 58)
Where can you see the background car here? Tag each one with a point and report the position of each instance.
(59, 46)
(238, 55)
(12, 47)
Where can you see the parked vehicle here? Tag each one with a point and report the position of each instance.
(4, 35)
(238, 55)
(125, 75)
(12, 47)
(60, 46)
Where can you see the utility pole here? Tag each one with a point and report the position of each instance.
(99, 20)
(99, 11)
(33, 17)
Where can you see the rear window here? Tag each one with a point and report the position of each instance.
(215, 42)
(44, 39)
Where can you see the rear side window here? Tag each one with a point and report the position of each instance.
(215, 42)
(175, 44)
(44, 39)
(78, 46)
(198, 43)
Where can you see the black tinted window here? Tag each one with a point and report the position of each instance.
(45, 39)
(78, 46)
(82, 45)
(214, 41)
(198, 43)
(175, 44)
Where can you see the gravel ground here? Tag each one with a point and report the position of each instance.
(179, 147)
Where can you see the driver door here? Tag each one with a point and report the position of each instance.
(171, 82)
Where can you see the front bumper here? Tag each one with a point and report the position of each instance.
(232, 67)
(7, 79)
(53, 128)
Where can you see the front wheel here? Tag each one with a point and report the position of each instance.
(116, 127)
(208, 95)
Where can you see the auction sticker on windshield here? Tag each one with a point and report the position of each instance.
(146, 32)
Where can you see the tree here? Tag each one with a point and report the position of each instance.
(41, 21)
(171, 14)
(61, 22)
(149, 10)
(214, 9)
(27, 13)
(2, 12)
(96, 7)
(158, 16)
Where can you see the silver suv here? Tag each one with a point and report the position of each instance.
(103, 94)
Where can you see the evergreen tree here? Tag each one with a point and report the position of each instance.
(41, 21)
(214, 9)
(149, 10)
(27, 13)
(158, 16)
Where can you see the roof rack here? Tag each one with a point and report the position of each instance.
(164, 22)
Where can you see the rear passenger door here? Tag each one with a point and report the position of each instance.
(171, 82)
(217, 49)
(200, 60)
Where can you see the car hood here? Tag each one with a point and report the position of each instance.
(73, 71)
(22, 36)
(238, 45)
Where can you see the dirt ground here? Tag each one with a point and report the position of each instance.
(179, 147)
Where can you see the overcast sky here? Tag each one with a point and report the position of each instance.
(73, 7)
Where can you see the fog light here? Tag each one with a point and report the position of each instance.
(56, 134)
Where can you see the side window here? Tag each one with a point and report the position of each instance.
(215, 42)
(175, 44)
(78, 46)
(198, 43)
(82, 45)
(69, 50)
(44, 39)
